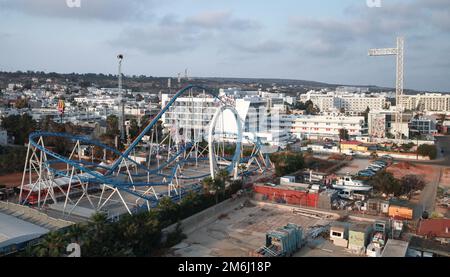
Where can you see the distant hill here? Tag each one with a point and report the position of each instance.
(151, 83)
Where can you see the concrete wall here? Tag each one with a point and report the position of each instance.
(203, 218)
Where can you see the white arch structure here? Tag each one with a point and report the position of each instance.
(237, 155)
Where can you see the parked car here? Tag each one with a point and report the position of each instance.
(380, 166)
(381, 162)
(374, 169)
(366, 173)
(345, 194)
(387, 157)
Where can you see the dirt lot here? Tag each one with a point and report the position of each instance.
(353, 167)
(11, 180)
(445, 179)
(242, 231)
(428, 172)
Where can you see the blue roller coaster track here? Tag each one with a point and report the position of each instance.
(92, 171)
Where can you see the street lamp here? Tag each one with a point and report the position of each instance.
(121, 102)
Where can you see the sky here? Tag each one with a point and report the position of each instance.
(321, 40)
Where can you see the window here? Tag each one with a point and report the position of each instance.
(336, 234)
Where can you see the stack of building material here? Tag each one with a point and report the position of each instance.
(283, 241)
(358, 238)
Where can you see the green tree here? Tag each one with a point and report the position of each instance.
(366, 115)
(134, 128)
(112, 126)
(411, 183)
(214, 186)
(168, 211)
(287, 163)
(386, 183)
(20, 126)
(21, 103)
(53, 245)
(310, 108)
(407, 147)
(427, 150)
(343, 135)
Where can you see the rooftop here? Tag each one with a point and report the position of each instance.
(15, 231)
(428, 245)
(395, 248)
(438, 228)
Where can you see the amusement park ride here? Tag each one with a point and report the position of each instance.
(174, 166)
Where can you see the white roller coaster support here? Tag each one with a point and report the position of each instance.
(212, 127)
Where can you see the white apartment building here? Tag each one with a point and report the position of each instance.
(188, 118)
(322, 101)
(359, 103)
(327, 126)
(351, 102)
(427, 102)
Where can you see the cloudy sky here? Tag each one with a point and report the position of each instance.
(322, 40)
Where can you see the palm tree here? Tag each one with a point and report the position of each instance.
(215, 185)
(242, 168)
(51, 246)
(76, 232)
(207, 184)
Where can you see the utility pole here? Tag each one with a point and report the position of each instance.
(399, 53)
(121, 101)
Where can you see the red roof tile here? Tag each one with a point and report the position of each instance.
(439, 228)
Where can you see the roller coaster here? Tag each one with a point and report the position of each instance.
(173, 166)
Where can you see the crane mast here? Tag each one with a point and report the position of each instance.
(399, 52)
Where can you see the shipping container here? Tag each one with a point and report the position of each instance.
(400, 212)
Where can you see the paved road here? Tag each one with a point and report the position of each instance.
(427, 200)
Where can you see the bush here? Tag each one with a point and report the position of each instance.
(287, 163)
(175, 237)
(427, 150)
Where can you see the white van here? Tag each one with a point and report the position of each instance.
(346, 194)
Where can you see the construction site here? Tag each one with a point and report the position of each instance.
(248, 228)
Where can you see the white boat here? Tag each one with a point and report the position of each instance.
(348, 184)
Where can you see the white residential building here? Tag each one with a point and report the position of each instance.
(351, 102)
(327, 126)
(189, 118)
(427, 102)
